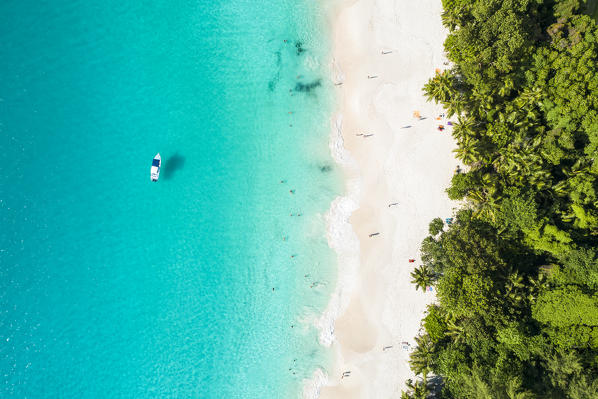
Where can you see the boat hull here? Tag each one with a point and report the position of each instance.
(155, 169)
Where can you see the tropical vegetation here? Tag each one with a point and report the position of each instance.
(516, 272)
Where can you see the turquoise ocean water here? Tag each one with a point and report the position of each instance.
(116, 287)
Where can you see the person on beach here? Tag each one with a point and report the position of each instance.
(411, 260)
(440, 128)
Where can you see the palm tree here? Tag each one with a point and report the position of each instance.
(468, 152)
(406, 395)
(455, 106)
(514, 288)
(477, 388)
(453, 16)
(561, 188)
(439, 88)
(529, 98)
(535, 286)
(416, 390)
(464, 128)
(487, 210)
(563, 366)
(581, 166)
(506, 88)
(450, 20)
(484, 100)
(422, 277)
(538, 175)
(582, 388)
(456, 332)
(514, 390)
(420, 359)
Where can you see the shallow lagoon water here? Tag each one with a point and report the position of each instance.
(203, 284)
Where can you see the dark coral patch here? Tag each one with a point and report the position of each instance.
(308, 87)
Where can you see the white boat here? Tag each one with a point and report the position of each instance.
(155, 171)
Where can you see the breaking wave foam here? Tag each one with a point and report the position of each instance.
(343, 240)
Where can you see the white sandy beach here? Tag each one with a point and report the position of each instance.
(375, 306)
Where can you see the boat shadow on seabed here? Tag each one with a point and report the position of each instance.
(172, 164)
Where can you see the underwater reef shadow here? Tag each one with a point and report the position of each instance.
(325, 168)
(308, 87)
(172, 164)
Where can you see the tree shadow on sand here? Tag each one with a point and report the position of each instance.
(172, 164)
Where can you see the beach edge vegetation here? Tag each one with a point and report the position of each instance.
(516, 272)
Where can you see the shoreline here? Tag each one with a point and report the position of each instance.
(384, 51)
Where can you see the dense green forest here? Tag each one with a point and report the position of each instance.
(516, 272)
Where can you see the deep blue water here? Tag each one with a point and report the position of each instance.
(113, 286)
